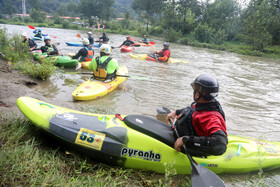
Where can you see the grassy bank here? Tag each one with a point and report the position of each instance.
(17, 54)
(29, 157)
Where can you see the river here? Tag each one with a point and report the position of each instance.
(249, 87)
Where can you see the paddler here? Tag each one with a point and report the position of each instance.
(48, 47)
(164, 54)
(31, 43)
(90, 38)
(201, 126)
(127, 42)
(145, 40)
(104, 67)
(104, 38)
(38, 33)
(86, 53)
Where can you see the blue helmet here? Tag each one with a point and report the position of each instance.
(39, 30)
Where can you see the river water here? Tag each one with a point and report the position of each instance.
(249, 88)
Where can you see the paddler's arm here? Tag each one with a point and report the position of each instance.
(82, 52)
(92, 65)
(216, 144)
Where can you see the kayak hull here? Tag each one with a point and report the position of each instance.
(65, 61)
(148, 58)
(108, 139)
(127, 49)
(37, 38)
(93, 89)
(79, 44)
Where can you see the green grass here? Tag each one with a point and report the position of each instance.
(29, 157)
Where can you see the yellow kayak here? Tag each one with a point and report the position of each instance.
(92, 89)
(148, 58)
(85, 64)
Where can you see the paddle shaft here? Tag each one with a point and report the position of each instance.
(117, 75)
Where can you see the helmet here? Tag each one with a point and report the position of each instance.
(206, 85)
(145, 35)
(90, 33)
(166, 44)
(127, 36)
(24, 34)
(39, 30)
(106, 48)
(103, 33)
(85, 41)
(47, 38)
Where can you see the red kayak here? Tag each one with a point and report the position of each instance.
(127, 49)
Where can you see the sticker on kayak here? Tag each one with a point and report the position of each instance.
(67, 117)
(145, 155)
(90, 138)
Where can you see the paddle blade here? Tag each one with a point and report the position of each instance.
(79, 65)
(153, 43)
(163, 110)
(78, 35)
(31, 27)
(203, 177)
(53, 36)
(136, 45)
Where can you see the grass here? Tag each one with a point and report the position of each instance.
(29, 157)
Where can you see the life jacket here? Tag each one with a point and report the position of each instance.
(164, 52)
(89, 56)
(128, 43)
(100, 72)
(38, 34)
(49, 48)
(184, 123)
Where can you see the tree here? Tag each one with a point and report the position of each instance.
(149, 7)
(35, 4)
(36, 16)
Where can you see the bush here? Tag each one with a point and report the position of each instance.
(74, 26)
(65, 25)
(219, 37)
(156, 30)
(203, 33)
(2, 21)
(172, 35)
(27, 19)
(51, 24)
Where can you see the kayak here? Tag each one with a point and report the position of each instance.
(85, 64)
(148, 58)
(142, 142)
(65, 61)
(79, 44)
(36, 38)
(93, 89)
(127, 49)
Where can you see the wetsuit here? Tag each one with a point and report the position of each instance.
(203, 129)
(49, 48)
(84, 53)
(104, 39)
(145, 40)
(127, 43)
(31, 43)
(91, 39)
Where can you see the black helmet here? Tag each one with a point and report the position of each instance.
(207, 86)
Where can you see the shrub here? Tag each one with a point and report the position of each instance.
(219, 37)
(74, 26)
(51, 24)
(171, 35)
(27, 19)
(156, 30)
(2, 21)
(203, 33)
(65, 25)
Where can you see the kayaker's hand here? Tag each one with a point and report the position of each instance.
(178, 144)
(171, 116)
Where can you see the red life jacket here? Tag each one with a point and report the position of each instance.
(165, 52)
(89, 56)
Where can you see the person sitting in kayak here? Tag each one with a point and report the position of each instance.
(104, 39)
(48, 47)
(38, 33)
(31, 43)
(90, 38)
(86, 53)
(201, 126)
(104, 67)
(164, 54)
(145, 39)
(127, 42)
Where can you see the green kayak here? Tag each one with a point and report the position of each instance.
(142, 142)
(65, 61)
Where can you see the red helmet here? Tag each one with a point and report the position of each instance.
(127, 36)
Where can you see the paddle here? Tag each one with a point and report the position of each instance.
(201, 176)
(31, 27)
(137, 45)
(133, 77)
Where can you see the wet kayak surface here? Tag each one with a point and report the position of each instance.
(249, 86)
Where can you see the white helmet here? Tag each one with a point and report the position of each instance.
(47, 38)
(106, 49)
(24, 34)
(90, 33)
(85, 41)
